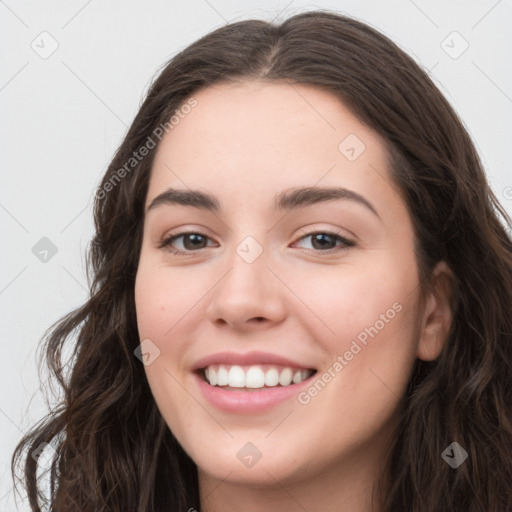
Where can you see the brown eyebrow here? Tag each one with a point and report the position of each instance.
(287, 200)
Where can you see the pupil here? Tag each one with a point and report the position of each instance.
(319, 237)
(193, 237)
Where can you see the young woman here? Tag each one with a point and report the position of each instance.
(301, 294)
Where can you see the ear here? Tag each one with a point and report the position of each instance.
(438, 314)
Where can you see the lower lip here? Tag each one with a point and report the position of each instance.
(249, 401)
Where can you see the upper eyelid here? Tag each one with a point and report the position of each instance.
(304, 232)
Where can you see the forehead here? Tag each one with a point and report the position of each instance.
(269, 117)
(251, 140)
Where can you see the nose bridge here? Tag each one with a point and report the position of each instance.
(248, 289)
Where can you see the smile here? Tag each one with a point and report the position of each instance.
(253, 377)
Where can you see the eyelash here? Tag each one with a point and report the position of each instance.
(165, 243)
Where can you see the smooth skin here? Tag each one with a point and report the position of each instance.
(246, 143)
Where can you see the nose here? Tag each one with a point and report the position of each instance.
(248, 296)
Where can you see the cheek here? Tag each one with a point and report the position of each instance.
(371, 356)
(162, 298)
(368, 326)
(167, 304)
(350, 301)
(158, 312)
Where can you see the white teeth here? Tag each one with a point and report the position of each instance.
(271, 377)
(212, 377)
(285, 379)
(254, 377)
(222, 376)
(236, 377)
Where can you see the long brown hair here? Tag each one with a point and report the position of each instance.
(114, 451)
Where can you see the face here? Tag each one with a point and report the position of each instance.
(258, 283)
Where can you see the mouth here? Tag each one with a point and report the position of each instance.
(253, 378)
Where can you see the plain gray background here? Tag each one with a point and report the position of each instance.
(65, 113)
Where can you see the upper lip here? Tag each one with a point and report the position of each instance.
(249, 358)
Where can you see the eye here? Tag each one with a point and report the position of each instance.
(191, 240)
(322, 241)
